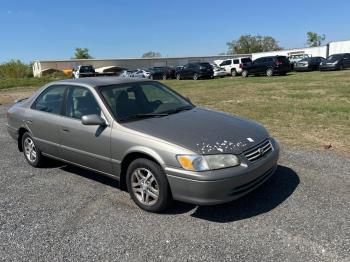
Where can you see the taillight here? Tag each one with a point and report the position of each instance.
(240, 65)
(278, 62)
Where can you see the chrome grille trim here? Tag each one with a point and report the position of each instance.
(259, 151)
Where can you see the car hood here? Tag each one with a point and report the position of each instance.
(203, 131)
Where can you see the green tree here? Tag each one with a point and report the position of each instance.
(82, 53)
(151, 54)
(314, 39)
(247, 44)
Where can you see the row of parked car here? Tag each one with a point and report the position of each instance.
(269, 65)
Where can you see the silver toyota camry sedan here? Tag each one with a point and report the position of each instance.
(159, 145)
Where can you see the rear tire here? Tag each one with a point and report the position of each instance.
(164, 77)
(195, 76)
(178, 76)
(233, 72)
(245, 73)
(31, 153)
(341, 67)
(269, 72)
(148, 185)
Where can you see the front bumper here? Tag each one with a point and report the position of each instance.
(224, 185)
(219, 73)
(328, 67)
(301, 68)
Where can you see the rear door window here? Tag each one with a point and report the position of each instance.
(50, 100)
(236, 61)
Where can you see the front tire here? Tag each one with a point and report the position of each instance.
(195, 76)
(31, 153)
(148, 185)
(178, 77)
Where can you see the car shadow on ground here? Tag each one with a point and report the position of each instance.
(268, 196)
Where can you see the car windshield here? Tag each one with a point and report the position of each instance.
(138, 100)
(333, 58)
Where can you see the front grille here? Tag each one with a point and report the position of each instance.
(259, 151)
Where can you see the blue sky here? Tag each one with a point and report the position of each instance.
(33, 30)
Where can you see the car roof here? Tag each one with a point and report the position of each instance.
(102, 80)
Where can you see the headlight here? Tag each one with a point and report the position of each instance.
(207, 162)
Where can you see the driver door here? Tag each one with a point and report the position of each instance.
(85, 145)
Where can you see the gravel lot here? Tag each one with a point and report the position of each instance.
(63, 213)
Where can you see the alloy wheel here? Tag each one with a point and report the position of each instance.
(145, 186)
(30, 150)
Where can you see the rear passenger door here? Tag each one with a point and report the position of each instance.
(44, 117)
(86, 145)
(256, 66)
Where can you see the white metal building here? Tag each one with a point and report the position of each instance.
(324, 51)
(103, 65)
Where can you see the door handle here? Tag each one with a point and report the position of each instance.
(64, 129)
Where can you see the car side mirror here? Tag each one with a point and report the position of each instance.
(93, 120)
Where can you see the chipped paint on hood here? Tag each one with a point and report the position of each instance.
(203, 131)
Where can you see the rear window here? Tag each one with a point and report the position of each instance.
(246, 60)
(282, 59)
(87, 69)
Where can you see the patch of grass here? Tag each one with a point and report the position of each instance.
(307, 110)
(6, 83)
(302, 109)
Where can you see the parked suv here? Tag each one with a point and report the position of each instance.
(268, 65)
(234, 66)
(309, 64)
(195, 71)
(83, 71)
(336, 62)
(162, 72)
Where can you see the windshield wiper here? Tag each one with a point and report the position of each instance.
(145, 115)
(184, 108)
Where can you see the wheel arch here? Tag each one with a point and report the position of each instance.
(21, 132)
(133, 155)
